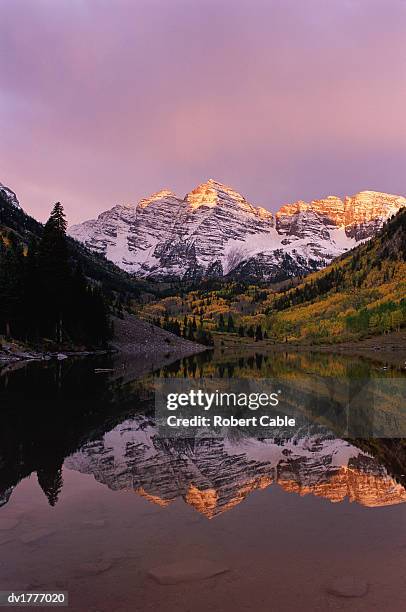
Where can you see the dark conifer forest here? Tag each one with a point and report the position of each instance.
(44, 294)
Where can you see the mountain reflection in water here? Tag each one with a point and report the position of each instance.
(65, 415)
(214, 475)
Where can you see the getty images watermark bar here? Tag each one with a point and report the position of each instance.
(281, 407)
(35, 598)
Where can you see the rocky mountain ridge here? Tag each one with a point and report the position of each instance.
(9, 196)
(214, 232)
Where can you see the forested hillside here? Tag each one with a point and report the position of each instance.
(44, 294)
(14, 221)
(52, 289)
(359, 294)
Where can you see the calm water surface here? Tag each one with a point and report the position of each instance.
(91, 499)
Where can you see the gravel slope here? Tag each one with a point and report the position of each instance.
(135, 337)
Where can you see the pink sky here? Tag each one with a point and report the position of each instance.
(105, 102)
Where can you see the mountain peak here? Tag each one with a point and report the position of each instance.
(211, 193)
(371, 197)
(204, 194)
(9, 196)
(154, 197)
(211, 182)
(362, 207)
(371, 192)
(216, 183)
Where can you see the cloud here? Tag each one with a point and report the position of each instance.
(105, 102)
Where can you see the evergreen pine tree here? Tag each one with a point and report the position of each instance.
(54, 273)
(51, 482)
(230, 323)
(258, 333)
(11, 288)
(190, 335)
(30, 290)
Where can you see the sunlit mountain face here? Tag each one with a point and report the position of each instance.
(214, 231)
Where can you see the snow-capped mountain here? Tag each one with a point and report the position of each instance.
(214, 475)
(9, 196)
(214, 231)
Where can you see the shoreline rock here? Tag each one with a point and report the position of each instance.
(189, 570)
(348, 586)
